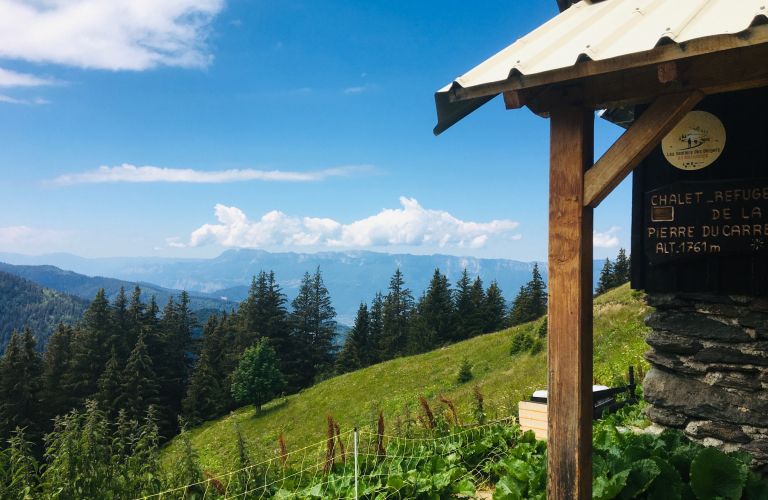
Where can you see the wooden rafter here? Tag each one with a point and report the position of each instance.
(635, 144)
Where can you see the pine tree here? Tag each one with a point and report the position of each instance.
(360, 334)
(55, 364)
(274, 319)
(313, 330)
(110, 387)
(495, 311)
(396, 316)
(531, 302)
(376, 330)
(605, 282)
(463, 308)
(519, 312)
(20, 371)
(437, 311)
(180, 348)
(476, 325)
(621, 269)
(257, 379)
(119, 326)
(348, 359)
(98, 323)
(140, 387)
(538, 293)
(204, 399)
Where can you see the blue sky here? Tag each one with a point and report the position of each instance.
(333, 100)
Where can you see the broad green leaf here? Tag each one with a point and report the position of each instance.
(668, 485)
(599, 467)
(683, 465)
(607, 489)
(464, 487)
(509, 488)
(641, 475)
(715, 475)
(755, 489)
(395, 482)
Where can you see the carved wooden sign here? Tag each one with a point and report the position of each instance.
(698, 219)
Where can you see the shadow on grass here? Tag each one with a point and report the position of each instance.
(272, 408)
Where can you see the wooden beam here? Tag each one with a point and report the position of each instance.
(725, 71)
(635, 144)
(751, 37)
(569, 400)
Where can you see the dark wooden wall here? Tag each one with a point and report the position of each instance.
(745, 155)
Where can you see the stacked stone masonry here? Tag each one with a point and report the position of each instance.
(709, 373)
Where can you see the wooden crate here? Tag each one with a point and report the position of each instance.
(533, 417)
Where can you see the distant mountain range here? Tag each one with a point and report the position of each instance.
(86, 286)
(351, 276)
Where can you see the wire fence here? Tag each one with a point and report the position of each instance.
(360, 464)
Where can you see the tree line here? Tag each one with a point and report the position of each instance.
(614, 273)
(129, 356)
(397, 325)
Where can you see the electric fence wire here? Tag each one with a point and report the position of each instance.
(316, 477)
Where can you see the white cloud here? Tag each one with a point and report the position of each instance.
(607, 239)
(5, 98)
(108, 34)
(10, 78)
(354, 90)
(175, 243)
(410, 225)
(131, 173)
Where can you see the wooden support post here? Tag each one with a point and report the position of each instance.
(569, 400)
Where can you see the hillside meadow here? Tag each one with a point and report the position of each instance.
(394, 386)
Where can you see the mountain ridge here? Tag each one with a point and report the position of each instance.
(351, 276)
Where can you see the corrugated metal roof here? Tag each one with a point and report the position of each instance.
(609, 29)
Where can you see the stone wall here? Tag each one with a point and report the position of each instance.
(709, 373)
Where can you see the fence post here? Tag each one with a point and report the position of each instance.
(355, 463)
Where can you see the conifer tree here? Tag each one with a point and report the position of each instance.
(621, 269)
(605, 282)
(420, 337)
(360, 334)
(396, 312)
(348, 359)
(519, 312)
(376, 330)
(537, 290)
(437, 311)
(119, 326)
(110, 387)
(55, 364)
(313, 330)
(98, 323)
(274, 319)
(495, 310)
(477, 300)
(140, 386)
(20, 371)
(463, 310)
(204, 399)
(179, 351)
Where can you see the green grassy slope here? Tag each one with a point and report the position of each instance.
(395, 385)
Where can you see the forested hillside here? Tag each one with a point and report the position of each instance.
(87, 286)
(23, 302)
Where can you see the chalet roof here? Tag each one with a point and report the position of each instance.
(599, 31)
